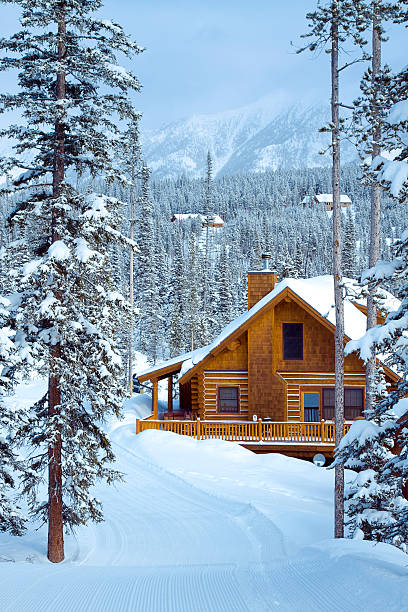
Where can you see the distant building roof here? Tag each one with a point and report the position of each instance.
(185, 216)
(324, 198)
(328, 197)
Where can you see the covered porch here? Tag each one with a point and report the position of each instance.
(183, 410)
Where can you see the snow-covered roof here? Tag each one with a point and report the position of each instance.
(323, 198)
(165, 364)
(317, 292)
(216, 219)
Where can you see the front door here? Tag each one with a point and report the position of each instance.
(311, 407)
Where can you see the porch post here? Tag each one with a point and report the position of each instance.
(155, 399)
(170, 395)
(322, 436)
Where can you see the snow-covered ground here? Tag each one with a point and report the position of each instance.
(204, 526)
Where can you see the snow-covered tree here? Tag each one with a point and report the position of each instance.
(349, 247)
(148, 299)
(224, 303)
(287, 267)
(129, 150)
(177, 338)
(204, 333)
(72, 95)
(390, 338)
(194, 304)
(11, 518)
(373, 503)
(370, 110)
(331, 24)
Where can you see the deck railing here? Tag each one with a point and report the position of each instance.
(248, 431)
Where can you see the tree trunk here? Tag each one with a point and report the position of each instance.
(55, 519)
(376, 193)
(337, 274)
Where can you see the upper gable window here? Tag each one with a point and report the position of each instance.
(292, 340)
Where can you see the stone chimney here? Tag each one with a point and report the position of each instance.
(262, 282)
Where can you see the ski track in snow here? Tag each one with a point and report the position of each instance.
(198, 551)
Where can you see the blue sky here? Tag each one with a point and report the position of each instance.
(208, 56)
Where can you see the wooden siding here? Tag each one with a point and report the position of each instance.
(212, 380)
(318, 343)
(195, 394)
(233, 358)
(296, 383)
(266, 389)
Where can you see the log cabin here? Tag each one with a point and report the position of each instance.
(326, 200)
(212, 220)
(267, 381)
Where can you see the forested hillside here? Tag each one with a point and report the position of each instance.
(262, 212)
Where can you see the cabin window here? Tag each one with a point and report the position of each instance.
(292, 340)
(353, 403)
(311, 407)
(228, 399)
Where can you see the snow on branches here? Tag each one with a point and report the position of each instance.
(65, 313)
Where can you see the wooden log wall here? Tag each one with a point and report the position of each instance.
(211, 381)
(297, 382)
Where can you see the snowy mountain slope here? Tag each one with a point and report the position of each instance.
(290, 140)
(204, 525)
(269, 134)
(182, 146)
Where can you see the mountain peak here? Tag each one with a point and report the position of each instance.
(265, 135)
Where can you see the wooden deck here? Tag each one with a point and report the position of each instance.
(289, 438)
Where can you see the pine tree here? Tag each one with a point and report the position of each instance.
(177, 338)
(389, 338)
(194, 312)
(349, 247)
(388, 471)
(298, 263)
(377, 497)
(148, 301)
(287, 267)
(330, 26)
(11, 517)
(71, 93)
(373, 504)
(130, 154)
(370, 110)
(205, 324)
(224, 303)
